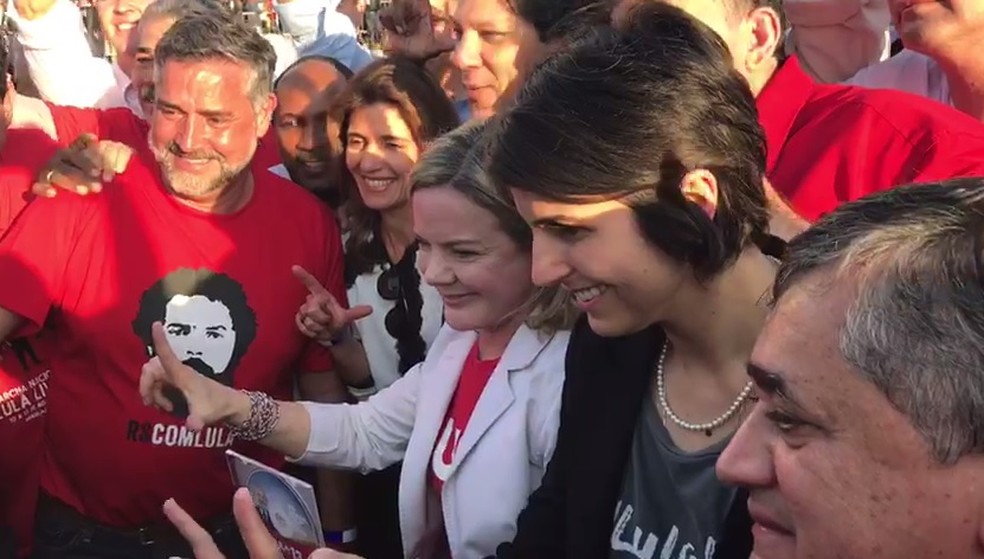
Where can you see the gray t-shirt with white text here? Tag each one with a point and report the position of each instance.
(672, 505)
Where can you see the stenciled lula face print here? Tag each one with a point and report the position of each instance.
(201, 333)
(206, 317)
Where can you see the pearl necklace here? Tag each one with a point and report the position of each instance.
(708, 427)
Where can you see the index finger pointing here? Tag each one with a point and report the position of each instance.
(163, 348)
(310, 282)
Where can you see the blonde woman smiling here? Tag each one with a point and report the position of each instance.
(475, 423)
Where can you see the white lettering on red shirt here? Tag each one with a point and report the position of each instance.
(475, 374)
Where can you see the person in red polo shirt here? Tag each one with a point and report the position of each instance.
(193, 234)
(24, 364)
(828, 143)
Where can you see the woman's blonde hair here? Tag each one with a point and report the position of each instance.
(456, 160)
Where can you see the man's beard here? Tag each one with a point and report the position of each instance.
(188, 184)
(323, 184)
(177, 398)
(297, 166)
(200, 366)
(204, 369)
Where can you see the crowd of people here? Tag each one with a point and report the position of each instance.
(549, 279)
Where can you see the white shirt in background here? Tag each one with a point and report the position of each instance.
(380, 346)
(849, 41)
(317, 28)
(61, 63)
(62, 66)
(833, 39)
(907, 71)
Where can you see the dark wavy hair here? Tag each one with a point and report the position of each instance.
(625, 114)
(562, 19)
(428, 113)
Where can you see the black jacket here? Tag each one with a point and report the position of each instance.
(571, 515)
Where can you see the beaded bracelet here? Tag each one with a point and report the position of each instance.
(264, 413)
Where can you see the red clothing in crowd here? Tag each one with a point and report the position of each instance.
(24, 154)
(123, 259)
(118, 125)
(475, 374)
(24, 369)
(267, 151)
(831, 143)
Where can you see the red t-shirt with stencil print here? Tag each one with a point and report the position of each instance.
(222, 284)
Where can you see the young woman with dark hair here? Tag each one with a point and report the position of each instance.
(638, 160)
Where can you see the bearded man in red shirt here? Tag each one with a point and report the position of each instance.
(194, 233)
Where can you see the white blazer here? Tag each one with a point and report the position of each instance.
(500, 458)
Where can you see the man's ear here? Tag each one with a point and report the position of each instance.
(264, 114)
(767, 32)
(8, 100)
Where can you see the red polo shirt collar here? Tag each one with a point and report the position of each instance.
(782, 98)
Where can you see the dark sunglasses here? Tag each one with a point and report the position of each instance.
(390, 288)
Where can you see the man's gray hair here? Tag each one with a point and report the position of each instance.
(916, 327)
(220, 36)
(179, 9)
